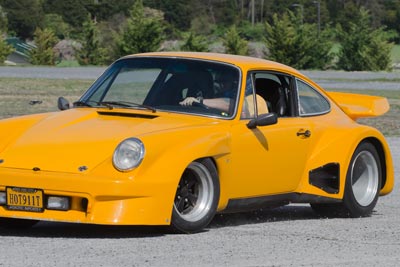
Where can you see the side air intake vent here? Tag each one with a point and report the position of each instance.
(326, 178)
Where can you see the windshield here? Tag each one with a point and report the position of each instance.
(169, 84)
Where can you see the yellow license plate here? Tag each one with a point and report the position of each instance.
(25, 199)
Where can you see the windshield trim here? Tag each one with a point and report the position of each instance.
(111, 70)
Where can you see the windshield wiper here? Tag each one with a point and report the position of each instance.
(126, 104)
(86, 104)
(81, 104)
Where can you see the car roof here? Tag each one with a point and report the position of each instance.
(245, 62)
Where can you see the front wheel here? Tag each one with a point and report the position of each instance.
(196, 198)
(363, 182)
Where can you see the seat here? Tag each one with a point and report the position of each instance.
(185, 84)
(171, 91)
(249, 106)
(200, 84)
(273, 93)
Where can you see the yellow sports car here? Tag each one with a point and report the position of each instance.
(173, 138)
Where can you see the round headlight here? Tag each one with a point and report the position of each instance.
(128, 154)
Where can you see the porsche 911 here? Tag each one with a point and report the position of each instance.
(173, 138)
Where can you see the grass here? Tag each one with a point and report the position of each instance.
(16, 94)
(396, 54)
(389, 123)
(68, 63)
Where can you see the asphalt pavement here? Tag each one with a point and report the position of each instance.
(289, 236)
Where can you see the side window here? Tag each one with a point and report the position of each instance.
(274, 89)
(253, 103)
(310, 101)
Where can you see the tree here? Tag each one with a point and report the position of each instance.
(56, 23)
(234, 44)
(72, 11)
(104, 10)
(195, 43)
(298, 44)
(5, 49)
(392, 17)
(280, 38)
(43, 54)
(363, 48)
(176, 12)
(143, 33)
(23, 16)
(3, 21)
(90, 51)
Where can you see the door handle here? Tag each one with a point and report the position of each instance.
(304, 133)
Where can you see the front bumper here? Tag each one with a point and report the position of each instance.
(126, 200)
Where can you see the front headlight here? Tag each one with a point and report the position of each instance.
(128, 154)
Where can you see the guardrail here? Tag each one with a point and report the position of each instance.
(21, 48)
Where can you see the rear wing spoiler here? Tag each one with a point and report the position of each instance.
(358, 106)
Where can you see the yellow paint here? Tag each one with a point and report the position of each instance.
(264, 161)
(361, 106)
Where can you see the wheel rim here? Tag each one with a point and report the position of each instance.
(365, 178)
(195, 193)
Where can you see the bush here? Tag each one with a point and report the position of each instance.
(5, 49)
(363, 48)
(43, 53)
(90, 52)
(142, 33)
(251, 32)
(234, 44)
(296, 44)
(195, 43)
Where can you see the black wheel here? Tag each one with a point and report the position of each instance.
(16, 223)
(363, 182)
(196, 198)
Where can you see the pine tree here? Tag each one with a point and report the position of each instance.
(234, 44)
(363, 48)
(5, 49)
(298, 44)
(90, 52)
(195, 43)
(280, 39)
(43, 54)
(24, 16)
(3, 20)
(142, 33)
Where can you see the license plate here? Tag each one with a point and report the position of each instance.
(24, 199)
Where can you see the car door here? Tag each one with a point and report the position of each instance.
(270, 159)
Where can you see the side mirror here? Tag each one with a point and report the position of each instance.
(62, 103)
(263, 120)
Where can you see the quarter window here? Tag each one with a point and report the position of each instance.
(310, 101)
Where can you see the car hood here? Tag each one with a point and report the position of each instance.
(80, 139)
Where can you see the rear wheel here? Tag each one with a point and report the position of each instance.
(363, 182)
(196, 198)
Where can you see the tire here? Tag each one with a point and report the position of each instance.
(12, 223)
(196, 198)
(363, 182)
